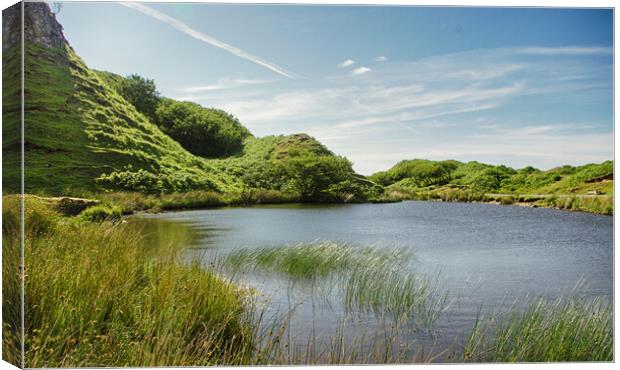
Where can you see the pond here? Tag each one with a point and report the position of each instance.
(479, 257)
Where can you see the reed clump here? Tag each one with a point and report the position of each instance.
(308, 261)
(565, 329)
(369, 279)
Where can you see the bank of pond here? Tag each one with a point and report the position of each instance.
(180, 289)
(132, 202)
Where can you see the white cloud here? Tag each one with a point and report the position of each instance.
(361, 70)
(380, 58)
(207, 39)
(346, 63)
(223, 84)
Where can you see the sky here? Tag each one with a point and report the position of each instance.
(514, 86)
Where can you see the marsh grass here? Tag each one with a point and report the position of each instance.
(314, 260)
(603, 204)
(369, 279)
(402, 294)
(565, 329)
(98, 295)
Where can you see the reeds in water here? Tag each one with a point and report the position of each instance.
(565, 329)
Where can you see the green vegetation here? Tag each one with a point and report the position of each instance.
(141, 93)
(202, 131)
(546, 331)
(92, 131)
(368, 279)
(99, 295)
(79, 129)
(586, 188)
(136, 202)
(594, 204)
(102, 213)
(310, 261)
(421, 174)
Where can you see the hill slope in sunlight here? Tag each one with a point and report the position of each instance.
(82, 135)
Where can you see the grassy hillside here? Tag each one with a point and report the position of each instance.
(83, 136)
(78, 128)
(420, 174)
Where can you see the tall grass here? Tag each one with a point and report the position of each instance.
(307, 261)
(593, 204)
(368, 279)
(98, 295)
(566, 329)
(131, 202)
(11, 280)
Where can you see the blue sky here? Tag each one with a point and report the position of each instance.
(527, 86)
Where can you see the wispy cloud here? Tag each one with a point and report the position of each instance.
(495, 105)
(223, 84)
(360, 70)
(566, 50)
(380, 58)
(208, 39)
(346, 63)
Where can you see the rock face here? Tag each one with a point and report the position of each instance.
(40, 25)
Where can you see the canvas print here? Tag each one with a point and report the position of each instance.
(199, 184)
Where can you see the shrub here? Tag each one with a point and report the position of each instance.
(102, 213)
(202, 131)
(150, 183)
(141, 92)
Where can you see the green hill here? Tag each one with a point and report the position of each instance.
(77, 129)
(83, 135)
(421, 174)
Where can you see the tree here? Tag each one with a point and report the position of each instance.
(311, 176)
(202, 131)
(141, 93)
(492, 178)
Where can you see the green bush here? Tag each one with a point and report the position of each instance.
(150, 183)
(102, 213)
(141, 93)
(206, 132)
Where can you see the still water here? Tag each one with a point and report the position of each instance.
(483, 256)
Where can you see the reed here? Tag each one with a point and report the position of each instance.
(565, 329)
(369, 279)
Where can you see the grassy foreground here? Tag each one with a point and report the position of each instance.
(100, 294)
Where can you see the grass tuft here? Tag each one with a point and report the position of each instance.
(546, 331)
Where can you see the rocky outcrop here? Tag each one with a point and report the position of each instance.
(40, 25)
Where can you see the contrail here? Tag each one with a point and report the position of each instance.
(206, 38)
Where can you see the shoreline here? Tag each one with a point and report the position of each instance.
(136, 204)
